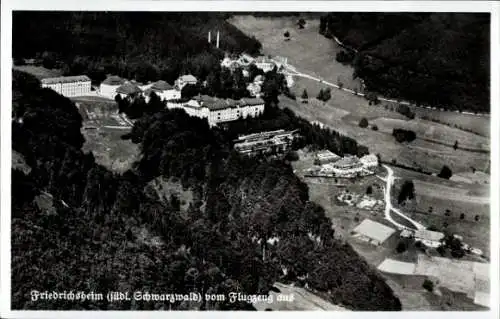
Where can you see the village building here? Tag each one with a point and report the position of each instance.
(163, 90)
(372, 232)
(347, 166)
(325, 157)
(429, 238)
(217, 110)
(184, 80)
(272, 142)
(68, 86)
(128, 89)
(264, 63)
(109, 85)
(369, 161)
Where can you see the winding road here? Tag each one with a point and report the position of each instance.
(388, 204)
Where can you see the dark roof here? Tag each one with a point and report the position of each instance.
(252, 101)
(66, 79)
(113, 80)
(161, 86)
(128, 88)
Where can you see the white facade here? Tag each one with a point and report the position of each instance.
(68, 86)
(109, 86)
(369, 161)
(219, 110)
(184, 80)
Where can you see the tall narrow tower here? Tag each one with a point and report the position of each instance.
(217, 39)
(209, 37)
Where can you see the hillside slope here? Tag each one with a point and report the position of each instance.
(440, 59)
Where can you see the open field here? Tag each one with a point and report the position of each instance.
(306, 49)
(38, 71)
(440, 203)
(477, 124)
(419, 153)
(435, 132)
(102, 129)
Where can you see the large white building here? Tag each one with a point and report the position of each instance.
(68, 86)
(109, 86)
(184, 80)
(369, 161)
(163, 90)
(220, 110)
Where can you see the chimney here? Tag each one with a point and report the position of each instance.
(217, 39)
(209, 37)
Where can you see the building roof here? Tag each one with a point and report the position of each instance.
(347, 161)
(374, 230)
(161, 86)
(66, 79)
(428, 235)
(326, 154)
(128, 88)
(369, 158)
(188, 78)
(113, 80)
(252, 101)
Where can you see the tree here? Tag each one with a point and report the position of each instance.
(363, 123)
(287, 35)
(369, 190)
(455, 146)
(374, 127)
(445, 172)
(401, 247)
(462, 216)
(301, 23)
(407, 191)
(304, 96)
(428, 285)
(476, 218)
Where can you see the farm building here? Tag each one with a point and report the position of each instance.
(264, 63)
(184, 80)
(220, 110)
(372, 232)
(109, 85)
(397, 267)
(265, 142)
(164, 91)
(369, 161)
(325, 157)
(347, 166)
(429, 238)
(68, 86)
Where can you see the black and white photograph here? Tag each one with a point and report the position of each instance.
(249, 160)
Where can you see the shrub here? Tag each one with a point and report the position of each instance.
(428, 285)
(402, 135)
(369, 190)
(445, 172)
(401, 247)
(363, 123)
(476, 218)
(462, 216)
(374, 127)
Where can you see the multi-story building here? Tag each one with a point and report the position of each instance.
(274, 142)
(164, 91)
(325, 157)
(68, 86)
(109, 86)
(184, 80)
(264, 63)
(369, 161)
(128, 89)
(220, 110)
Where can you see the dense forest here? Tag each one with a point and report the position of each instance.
(441, 59)
(143, 45)
(91, 239)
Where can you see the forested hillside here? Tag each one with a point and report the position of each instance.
(441, 59)
(93, 238)
(141, 45)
